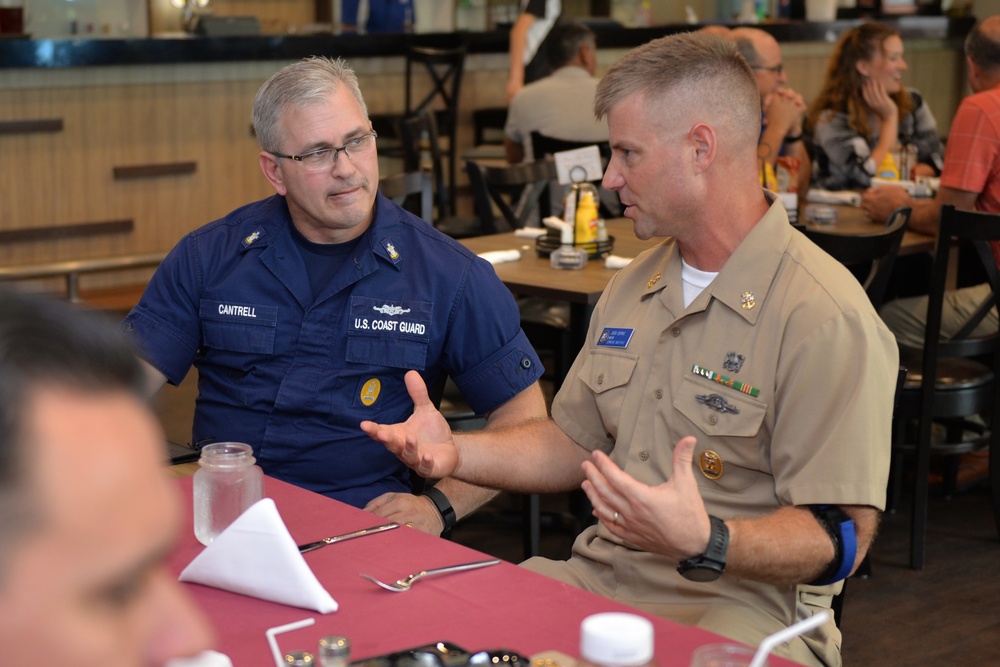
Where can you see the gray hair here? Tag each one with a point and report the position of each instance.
(564, 42)
(48, 343)
(708, 66)
(746, 48)
(300, 84)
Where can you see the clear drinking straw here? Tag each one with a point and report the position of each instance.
(771, 641)
(279, 659)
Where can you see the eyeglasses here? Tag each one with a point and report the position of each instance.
(444, 654)
(324, 158)
(777, 69)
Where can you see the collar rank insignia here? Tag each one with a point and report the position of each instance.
(748, 301)
(652, 281)
(252, 237)
(390, 249)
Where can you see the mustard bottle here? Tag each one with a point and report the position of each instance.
(767, 177)
(888, 169)
(586, 218)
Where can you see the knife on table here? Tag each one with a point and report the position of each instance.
(304, 548)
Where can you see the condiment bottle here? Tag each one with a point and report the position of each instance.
(566, 256)
(616, 639)
(888, 169)
(226, 484)
(586, 215)
(334, 651)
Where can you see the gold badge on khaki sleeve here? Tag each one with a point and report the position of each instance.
(711, 464)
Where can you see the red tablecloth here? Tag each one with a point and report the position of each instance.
(502, 606)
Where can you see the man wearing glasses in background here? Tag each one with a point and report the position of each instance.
(783, 109)
(303, 311)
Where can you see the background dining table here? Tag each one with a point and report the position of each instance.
(504, 606)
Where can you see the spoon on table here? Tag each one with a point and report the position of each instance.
(405, 583)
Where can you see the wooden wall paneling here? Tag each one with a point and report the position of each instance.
(156, 170)
(30, 125)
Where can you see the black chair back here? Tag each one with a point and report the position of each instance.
(870, 257)
(417, 133)
(515, 189)
(445, 68)
(411, 184)
(954, 377)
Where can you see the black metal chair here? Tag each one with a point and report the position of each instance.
(418, 136)
(515, 189)
(444, 67)
(954, 378)
(870, 257)
(488, 125)
(401, 188)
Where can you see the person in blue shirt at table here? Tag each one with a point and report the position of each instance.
(302, 312)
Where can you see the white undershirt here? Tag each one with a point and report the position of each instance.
(694, 281)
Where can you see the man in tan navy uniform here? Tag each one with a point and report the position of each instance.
(729, 415)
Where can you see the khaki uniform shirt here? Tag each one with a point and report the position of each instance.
(782, 317)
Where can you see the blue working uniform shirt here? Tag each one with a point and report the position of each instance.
(294, 376)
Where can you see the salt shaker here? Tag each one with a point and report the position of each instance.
(334, 651)
(226, 484)
(615, 639)
(300, 659)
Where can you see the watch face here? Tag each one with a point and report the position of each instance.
(701, 571)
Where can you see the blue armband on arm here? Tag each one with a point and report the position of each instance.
(843, 534)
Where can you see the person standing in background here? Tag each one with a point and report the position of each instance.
(377, 15)
(528, 60)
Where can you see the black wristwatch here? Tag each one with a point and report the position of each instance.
(709, 565)
(443, 506)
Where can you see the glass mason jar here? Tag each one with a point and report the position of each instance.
(226, 484)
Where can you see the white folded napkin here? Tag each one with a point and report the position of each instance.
(530, 232)
(923, 188)
(256, 556)
(616, 262)
(500, 256)
(790, 200)
(820, 196)
(203, 659)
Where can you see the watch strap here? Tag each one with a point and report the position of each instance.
(443, 506)
(710, 565)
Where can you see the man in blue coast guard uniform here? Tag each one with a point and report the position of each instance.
(302, 312)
